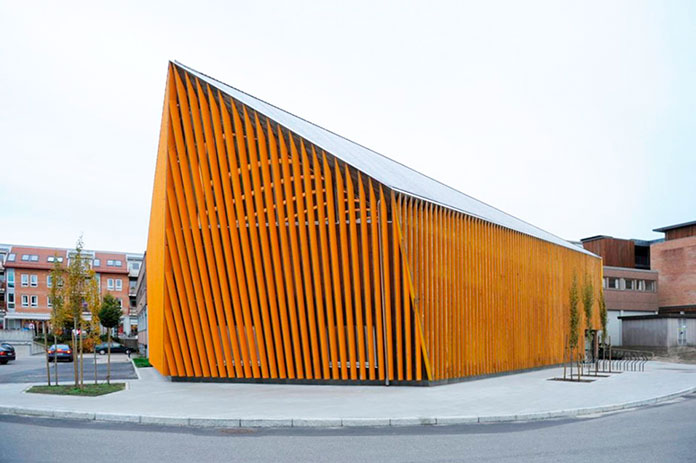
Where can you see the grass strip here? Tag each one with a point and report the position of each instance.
(141, 362)
(89, 390)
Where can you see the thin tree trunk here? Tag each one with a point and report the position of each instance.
(95, 361)
(108, 367)
(48, 364)
(82, 363)
(55, 357)
(74, 351)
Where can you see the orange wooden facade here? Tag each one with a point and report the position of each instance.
(270, 259)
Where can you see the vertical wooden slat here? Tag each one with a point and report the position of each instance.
(345, 269)
(254, 208)
(397, 289)
(208, 274)
(386, 292)
(241, 249)
(310, 316)
(224, 199)
(269, 245)
(335, 259)
(376, 272)
(288, 317)
(366, 267)
(355, 267)
(207, 152)
(297, 319)
(316, 263)
(322, 201)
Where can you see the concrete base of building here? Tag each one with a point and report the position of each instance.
(353, 382)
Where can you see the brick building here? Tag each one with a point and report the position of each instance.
(675, 260)
(630, 286)
(649, 285)
(26, 282)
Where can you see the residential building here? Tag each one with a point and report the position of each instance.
(280, 251)
(27, 282)
(141, 307)
(630, 287)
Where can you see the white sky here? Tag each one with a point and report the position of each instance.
(579, 117)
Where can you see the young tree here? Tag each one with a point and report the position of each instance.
(109, 316)
(587, 303)
(75, 289)
(94, 305)
(56, 295)
(603, 315)
(574, 318)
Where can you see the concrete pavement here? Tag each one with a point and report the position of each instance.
(520, 397)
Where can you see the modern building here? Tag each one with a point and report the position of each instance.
(630, 286)
(280, 251)
(655, 307)
(141, 308)
(27, 282)
(675, 261)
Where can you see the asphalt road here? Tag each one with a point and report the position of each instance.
(665, 433)
(32, 369)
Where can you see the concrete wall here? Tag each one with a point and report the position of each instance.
(662, 332)
(614, 325)
(16, 336)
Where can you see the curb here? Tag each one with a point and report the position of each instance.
(334, 422)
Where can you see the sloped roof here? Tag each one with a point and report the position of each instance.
(386, 171)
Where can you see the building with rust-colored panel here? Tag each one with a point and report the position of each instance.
(630, 286)
(280, 251)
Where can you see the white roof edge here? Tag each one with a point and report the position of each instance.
(392, 174)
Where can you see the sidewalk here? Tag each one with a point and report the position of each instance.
(519, 397)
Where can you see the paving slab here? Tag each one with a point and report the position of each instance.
(518, 397)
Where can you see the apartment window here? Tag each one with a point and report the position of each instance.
(96, 262)
(630, 284)
(10, 278)
(135, 265)
(35, 301)
(114, 263)
(25, 280)
(25, 300)
(612, 283)
(34, 258)
(34, 281)
(55, 259)
(10, 300)
(49, 281)
(650, 285)
(120, 302)
(49, 304)
(110, 283)
(25, 257)
(11, 257)
(119, 285)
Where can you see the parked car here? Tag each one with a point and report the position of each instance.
(115, 348)
(6, 353)
(7, 345)
(60, 352)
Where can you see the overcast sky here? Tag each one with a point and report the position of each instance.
(579, 117)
